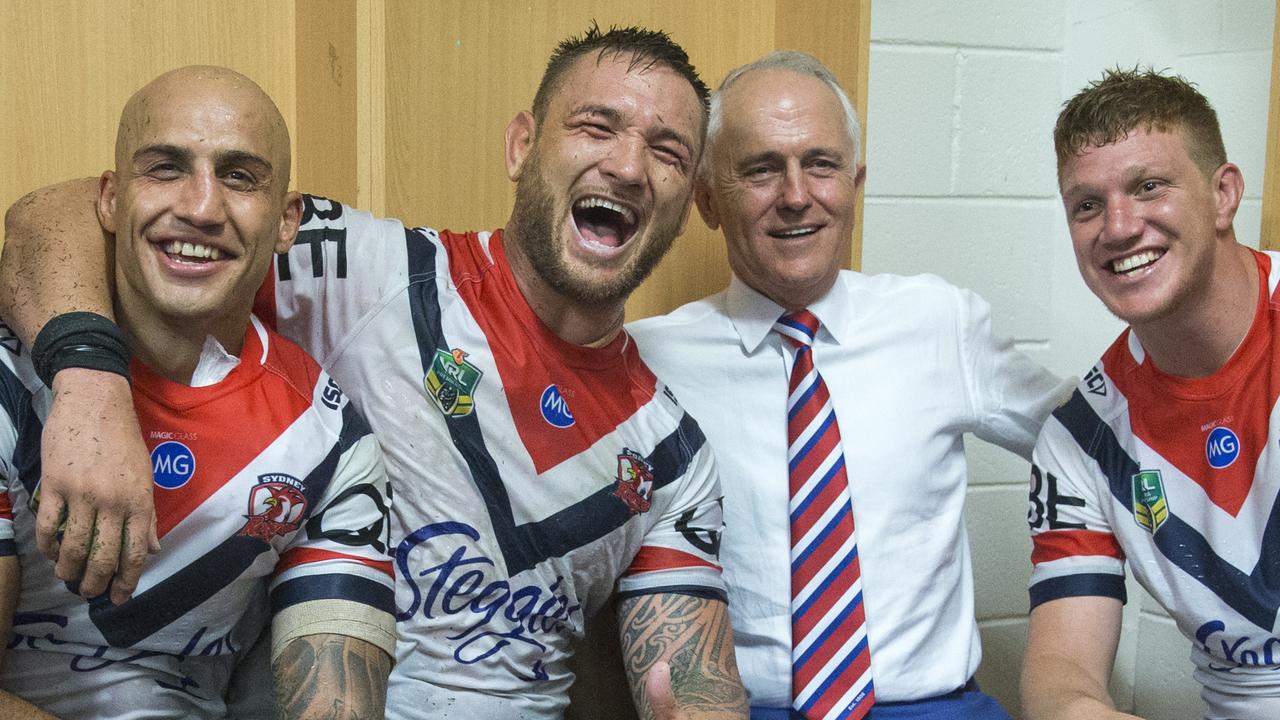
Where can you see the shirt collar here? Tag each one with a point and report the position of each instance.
(753, 314)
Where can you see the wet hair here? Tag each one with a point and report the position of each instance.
(801, 63)
(647, 48)
(1125, 100)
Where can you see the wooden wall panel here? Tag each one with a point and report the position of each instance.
(457, 71)
(1270, 232)
(69, 65)
(328, 84)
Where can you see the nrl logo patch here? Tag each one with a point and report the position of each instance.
(1150, 506)
(276, 507)
(452, 381)
(635, 481)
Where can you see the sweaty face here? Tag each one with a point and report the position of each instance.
(1142, 221)
(197, 203)
(782, 185)
(604, 186)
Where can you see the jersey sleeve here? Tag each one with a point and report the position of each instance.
(15, 407)
(335, 576)
(1074, 551)
(681, 552)
(344, 265)
(7, 546)
(1010, 393)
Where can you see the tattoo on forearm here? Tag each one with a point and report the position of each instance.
(693, 636)
(331, 676)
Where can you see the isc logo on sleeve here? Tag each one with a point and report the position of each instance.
(172, 464)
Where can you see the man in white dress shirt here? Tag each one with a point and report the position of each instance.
(911, 364)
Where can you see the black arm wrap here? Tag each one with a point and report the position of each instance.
(79, 339)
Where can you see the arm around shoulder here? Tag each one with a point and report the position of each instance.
(55, 257)
(1071, 649)
(96, 483)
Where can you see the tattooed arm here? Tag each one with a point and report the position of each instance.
(678, 654)
(331, 677)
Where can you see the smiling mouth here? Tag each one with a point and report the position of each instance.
(1133, 263)
(795, 232)
(603, 221)
(191, 252)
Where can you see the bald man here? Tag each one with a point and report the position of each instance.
(267, 480)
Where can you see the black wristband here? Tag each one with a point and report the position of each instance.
(79, 339)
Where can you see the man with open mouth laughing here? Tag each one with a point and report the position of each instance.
(539, 466)
(1165, 456)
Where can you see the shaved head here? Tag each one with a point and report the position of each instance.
(199, 201)
(196, 92)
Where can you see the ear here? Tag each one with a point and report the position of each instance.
(703, 198)
(1228, 189)
(290, 218)
(521, 132)
(106, 205)
(860, 176)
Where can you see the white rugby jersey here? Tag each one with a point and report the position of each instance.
(1180, 477)
(269, 488)
(531, 475)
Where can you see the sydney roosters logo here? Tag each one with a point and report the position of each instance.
(276, 507)
(635, 481)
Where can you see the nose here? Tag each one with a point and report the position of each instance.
(794, 193)
(200, 200)
(1122, 222)
(625, 160)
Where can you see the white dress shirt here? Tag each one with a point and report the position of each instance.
(912, 365)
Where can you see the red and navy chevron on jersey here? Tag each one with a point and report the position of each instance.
(532, 477)
(269, 493)
(1180, 477)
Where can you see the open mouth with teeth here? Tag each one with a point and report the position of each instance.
(191, 252)
(788, 233)
(1134, 263)
(603, 221)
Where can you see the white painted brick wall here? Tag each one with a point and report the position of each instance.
(983, 23)
(961, 182)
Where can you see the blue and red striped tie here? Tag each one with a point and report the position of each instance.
(830, 660)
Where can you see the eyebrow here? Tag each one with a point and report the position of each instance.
(664, 132)
(221, 157)
(775, 156)
(1130, 177)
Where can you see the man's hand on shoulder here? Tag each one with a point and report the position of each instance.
(96, 516)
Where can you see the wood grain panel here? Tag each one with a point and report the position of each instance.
(328, 85)
(458, 71)
(1270, 232)
(69, 66)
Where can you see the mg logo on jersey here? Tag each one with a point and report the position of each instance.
(276, 507)
(172, 464)
(452, 381)
(635, 481)
(554, 408)
(1221, 448)
(1150, 507)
